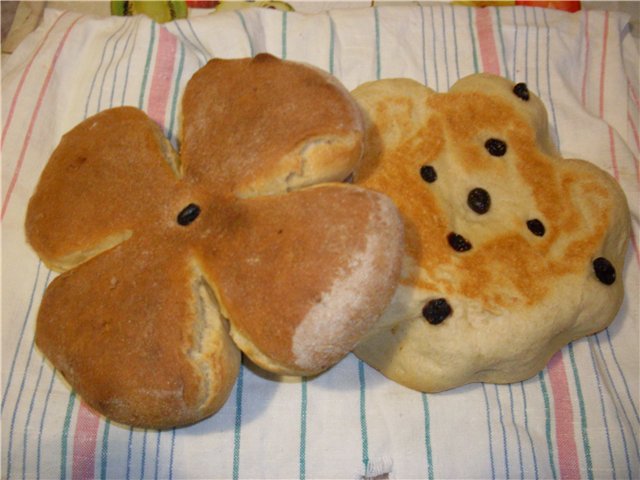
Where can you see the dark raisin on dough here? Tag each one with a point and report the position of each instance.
(605, 272)
(479, 200)
(458, 242)
(496, 147)
(436, 311)
(536, 227)
(521, 91)
(188, 214)
(428, 173)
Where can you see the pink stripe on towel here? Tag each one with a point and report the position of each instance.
(487, 41)
(565, 432)
(162, 76)
(84, 443)
(34, 117)
(25, 73)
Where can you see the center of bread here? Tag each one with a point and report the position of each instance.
(188, 214)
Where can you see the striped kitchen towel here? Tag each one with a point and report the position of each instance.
(576, 419)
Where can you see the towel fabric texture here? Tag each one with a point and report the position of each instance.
(578, 418)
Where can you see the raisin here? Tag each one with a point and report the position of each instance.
(458, 242)
(436, 311)
(536, 227)
(479, 200)
(521, 91)
(496, 147)
(605, 272)
(428, 173)
(188, 214)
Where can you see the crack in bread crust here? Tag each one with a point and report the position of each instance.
(212, 350)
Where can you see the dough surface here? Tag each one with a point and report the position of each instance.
(512, 250)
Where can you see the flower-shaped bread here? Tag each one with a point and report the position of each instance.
(174, 264)
(512, 250)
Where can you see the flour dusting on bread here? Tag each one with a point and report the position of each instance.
(327, 329)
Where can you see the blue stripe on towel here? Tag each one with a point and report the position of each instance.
(516, 429)
(21, 336)
(102, 57)
(583, 416)
(147, 65)
(238, 424)
(427, 435)
(363, 416)
(489, 430)
(526, 427)
(284, 35)
(547, 414)
(303, 428)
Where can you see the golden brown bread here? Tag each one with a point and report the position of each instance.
(512, 251)
(174, 264)
(293, 140)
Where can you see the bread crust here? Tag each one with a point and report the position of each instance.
(501, 234)
(291, 139)
(174, 264)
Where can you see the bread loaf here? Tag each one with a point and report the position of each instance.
(244, 241)
(512, 250)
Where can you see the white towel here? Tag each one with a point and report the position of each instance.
(577, 419)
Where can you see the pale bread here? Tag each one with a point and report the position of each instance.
(502, 244)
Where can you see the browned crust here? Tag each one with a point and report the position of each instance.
(131, 355)
(251, 126)
(284, 256)
(516, 297)
(141, 323)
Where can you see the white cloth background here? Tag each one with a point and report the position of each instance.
(577, 418)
